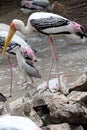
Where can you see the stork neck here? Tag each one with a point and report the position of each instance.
(19, 56)
(26, 30)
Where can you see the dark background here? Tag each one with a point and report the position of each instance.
(77, 11)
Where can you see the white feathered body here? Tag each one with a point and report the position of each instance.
(53, 24)
(8, 122)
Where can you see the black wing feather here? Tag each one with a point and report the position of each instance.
(44, 23)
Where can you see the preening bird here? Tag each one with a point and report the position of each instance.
(49, 24)
(8, 122)
(26, 64)
(28, 6)
(10, 51)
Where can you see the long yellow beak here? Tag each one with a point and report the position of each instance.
(8, 39)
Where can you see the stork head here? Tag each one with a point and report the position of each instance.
(28, 52)
(14, 26)
(78, 32)
(12, 30)
(79, 28)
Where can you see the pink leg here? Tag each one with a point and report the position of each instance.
(53, 49)
(32, 81)
(11, 74)
(54, 58)
(14, 65)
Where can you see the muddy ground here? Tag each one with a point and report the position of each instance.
(72, 57)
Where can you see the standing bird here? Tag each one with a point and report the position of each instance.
(8, 122)
(26, 65)
(48, 24)
(10, 51)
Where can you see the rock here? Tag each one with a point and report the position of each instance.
(4, 108)
(72, 113)
(78, 128)
(53, 98)
(76, 96)
(47, 98)
(23, 107)
(63, 126)
(41, 108)
(80, 84)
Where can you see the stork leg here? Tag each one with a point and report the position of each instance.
(32, 81)
(15, 64)
(11, 75)
(54, 58)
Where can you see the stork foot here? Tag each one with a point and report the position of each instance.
(40, 89)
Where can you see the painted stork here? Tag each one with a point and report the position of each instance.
(48, 24)
(8, 122)
(28, 6)
(26, 64)
(25, 49)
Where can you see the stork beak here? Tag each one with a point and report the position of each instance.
(11, 33)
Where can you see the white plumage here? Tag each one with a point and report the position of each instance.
(8, 122)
